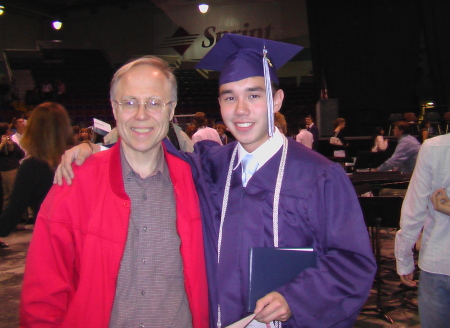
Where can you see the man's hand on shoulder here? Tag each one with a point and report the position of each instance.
(77, 154)
(272, 307)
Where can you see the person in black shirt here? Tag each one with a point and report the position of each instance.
(35, 175)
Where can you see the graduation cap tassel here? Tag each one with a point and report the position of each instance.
(269, 96)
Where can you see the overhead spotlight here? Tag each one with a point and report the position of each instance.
(57, 25)
(203, 7)
(2, 9)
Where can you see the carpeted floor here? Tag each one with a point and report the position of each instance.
(399, 304)
(12, 261)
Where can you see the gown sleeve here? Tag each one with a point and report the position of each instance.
(332, 294)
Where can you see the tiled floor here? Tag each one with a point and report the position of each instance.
(12, 263)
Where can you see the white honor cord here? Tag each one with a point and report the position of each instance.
(276, 201)
(276, 197)
(222, 219)
(269, 96)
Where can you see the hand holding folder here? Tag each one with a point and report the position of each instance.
(271, 268)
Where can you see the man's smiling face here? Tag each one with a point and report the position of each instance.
(141, 131)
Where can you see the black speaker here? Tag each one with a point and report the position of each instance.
(326, 112)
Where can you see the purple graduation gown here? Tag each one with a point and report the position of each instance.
(318, 208)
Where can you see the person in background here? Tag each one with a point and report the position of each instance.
(204, 132)
(85, 134)
(405, 154)
(179, 138)
(425, 129)
(339, 126)
(46, 90)
(61, 90)
(76, 134)
(426, 211)
(190, 130)
(280, 122)
(10, 156)
(35, 175)
(304, 136)
(378, 141)
(222, 130)
(19, 125)
(312, 127)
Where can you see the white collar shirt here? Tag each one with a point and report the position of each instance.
(432, 171)
(264, 152)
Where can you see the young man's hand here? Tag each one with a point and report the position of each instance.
(77, 154)
(272, 307)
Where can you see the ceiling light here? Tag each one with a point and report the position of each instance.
(2, 9)
(203, 7)
(57, 25)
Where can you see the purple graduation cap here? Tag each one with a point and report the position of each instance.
(238, 57)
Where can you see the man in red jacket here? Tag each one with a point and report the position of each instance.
(131, 253)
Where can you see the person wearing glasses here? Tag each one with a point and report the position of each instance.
(129, 254)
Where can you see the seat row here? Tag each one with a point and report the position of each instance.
(439, 124)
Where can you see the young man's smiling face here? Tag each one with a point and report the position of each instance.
(244, 110)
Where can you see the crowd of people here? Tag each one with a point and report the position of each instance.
(172, 220)
(47, 90)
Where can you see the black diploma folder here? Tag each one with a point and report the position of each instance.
(271, 268)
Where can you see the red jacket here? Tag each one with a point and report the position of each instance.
(78, 242)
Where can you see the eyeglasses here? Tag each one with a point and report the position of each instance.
(151, 105)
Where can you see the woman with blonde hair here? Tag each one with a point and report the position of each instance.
(339, 146)
(48, 134)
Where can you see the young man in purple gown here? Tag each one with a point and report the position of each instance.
(317, 205)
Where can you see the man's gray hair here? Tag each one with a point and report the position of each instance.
(156, 62)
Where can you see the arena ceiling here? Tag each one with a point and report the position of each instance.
(58, 7)
(62, 7)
